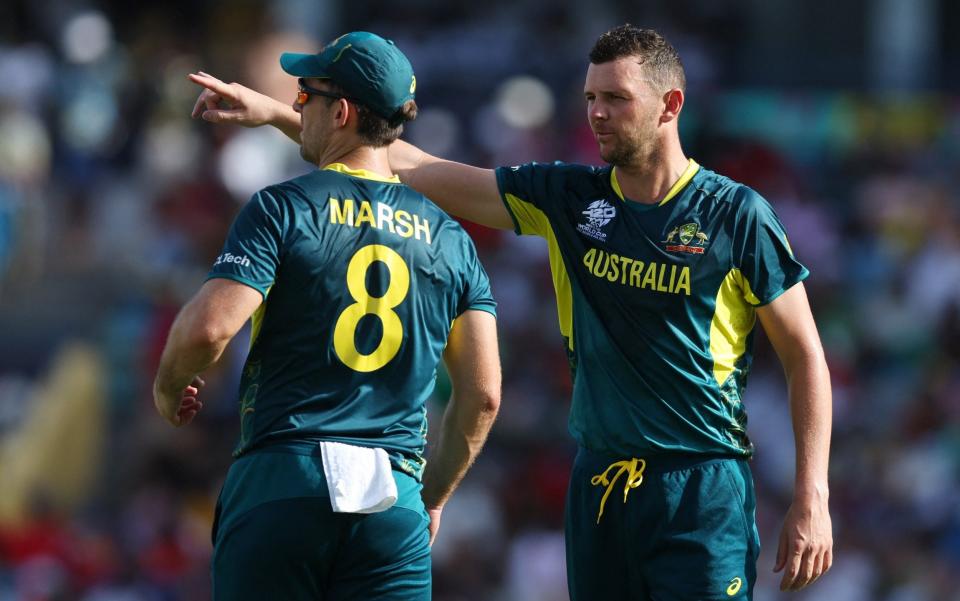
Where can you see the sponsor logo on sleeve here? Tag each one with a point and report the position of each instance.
(228, 258)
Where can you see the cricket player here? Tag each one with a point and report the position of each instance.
(357, 286)
(661, 269)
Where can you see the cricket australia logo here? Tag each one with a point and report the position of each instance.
(598, 214)
(692, 240)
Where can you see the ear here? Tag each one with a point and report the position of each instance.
(672, 105)
(344, 111)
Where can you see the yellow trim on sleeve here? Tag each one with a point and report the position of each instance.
(733, 319)
(361, 173)
(532, 220)
(685, 177)
(256, 320)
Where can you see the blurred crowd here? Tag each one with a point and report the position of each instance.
(113, 204)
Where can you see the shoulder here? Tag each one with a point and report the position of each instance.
(556, 176)
(742, 198)
(556, 169)
(303, 187)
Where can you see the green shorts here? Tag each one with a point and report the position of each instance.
(677, 527)
(275, 536)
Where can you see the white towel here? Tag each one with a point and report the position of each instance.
(360, 479)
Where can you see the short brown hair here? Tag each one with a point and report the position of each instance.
(654, 51)
(373, 129)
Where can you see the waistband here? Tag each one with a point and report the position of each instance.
(311, 448)
(659, 463)
(292, 446)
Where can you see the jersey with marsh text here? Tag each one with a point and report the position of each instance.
(657, 302)
(362, 279)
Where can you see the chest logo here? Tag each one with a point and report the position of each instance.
(692, 240)
(599, 213)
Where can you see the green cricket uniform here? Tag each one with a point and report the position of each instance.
(657, 308)
(362, 279)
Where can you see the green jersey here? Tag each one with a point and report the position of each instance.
(656, 302)
(362, 278)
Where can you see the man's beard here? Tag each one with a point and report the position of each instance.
(630, 152)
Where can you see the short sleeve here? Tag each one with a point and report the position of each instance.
(525, 191)
(251, 254)
(762, 252)
(476, 291)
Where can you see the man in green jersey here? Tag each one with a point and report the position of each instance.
(661, 268)
(356, 285)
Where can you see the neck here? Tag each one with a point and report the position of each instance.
(648, 179)
(367, 158)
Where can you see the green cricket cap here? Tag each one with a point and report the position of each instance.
(370, 69)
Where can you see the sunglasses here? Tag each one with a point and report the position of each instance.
(304, 92)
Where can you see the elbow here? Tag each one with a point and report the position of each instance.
(807, 359)
(207, 337)
(489, 402)
(480, 404)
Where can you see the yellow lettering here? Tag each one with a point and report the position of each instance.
(403, 220)
(614, 268)
(365, 214)
(421, 227)
(684, 282)
(588, 259)
(660, 286)
(601, 256)
(341, 215)
(635, 271)
(385, 215)
(650, 277)
(626, 262)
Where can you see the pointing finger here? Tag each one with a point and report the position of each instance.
(212, 83)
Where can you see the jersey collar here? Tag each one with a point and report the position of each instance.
(688, 173)
(362, 173)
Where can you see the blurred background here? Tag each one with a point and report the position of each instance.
(113, 204)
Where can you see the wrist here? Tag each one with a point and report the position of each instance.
(811, 492)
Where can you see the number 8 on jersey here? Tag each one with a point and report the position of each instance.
(344, 333)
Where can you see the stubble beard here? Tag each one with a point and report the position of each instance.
(308, 152)
(631, 152)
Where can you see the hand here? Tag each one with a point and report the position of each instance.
(180, 411)
(434, 522)
(221, 102)
(806, 545)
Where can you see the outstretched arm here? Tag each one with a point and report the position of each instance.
(473, 360)
(221, 102)
(461, 190)
(199, 334)
(805, 549)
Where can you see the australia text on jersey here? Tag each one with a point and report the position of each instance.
(659, 277)
(380, 216)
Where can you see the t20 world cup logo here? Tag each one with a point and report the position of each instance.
(599, 213)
